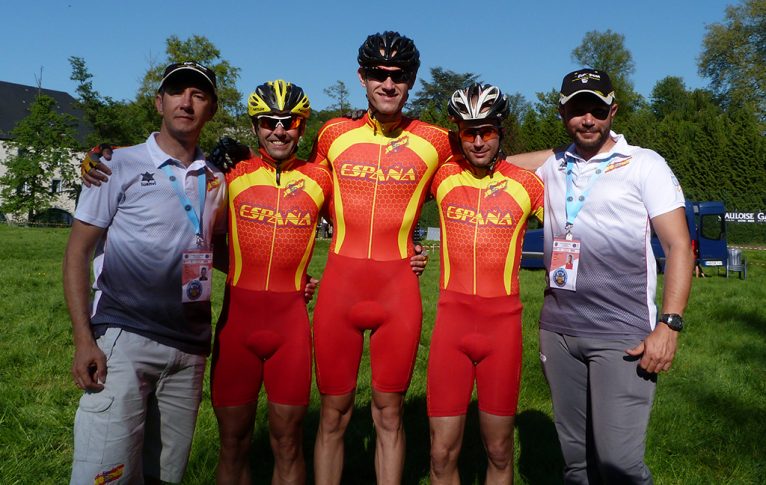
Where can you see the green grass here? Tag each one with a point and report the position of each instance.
(708, 423)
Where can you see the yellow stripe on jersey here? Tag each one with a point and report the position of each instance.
(338, 146)
(426, 151)
(521, 196)
(483, 186)
(259, 177)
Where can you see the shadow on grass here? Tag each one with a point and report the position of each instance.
(540, 459)
(754, 320)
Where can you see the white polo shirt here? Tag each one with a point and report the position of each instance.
(138, 273)
(617, 275)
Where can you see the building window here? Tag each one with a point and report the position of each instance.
(57, 186)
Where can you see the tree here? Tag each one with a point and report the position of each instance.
(44, 143)
(541, 125)
(339, 92)
(512, 125)
(606, 51)
(734, 56)
(111, 121)
(669, 96)
(231, 118)
(430, 103)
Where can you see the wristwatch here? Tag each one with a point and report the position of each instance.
(673, 320)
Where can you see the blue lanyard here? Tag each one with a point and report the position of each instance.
(195, 217)
(574, 204)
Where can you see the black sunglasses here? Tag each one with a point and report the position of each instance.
(398, 76)
(599, 112)
(286, 122)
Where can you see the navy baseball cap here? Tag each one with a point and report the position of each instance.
(189, 70)
(590, 81)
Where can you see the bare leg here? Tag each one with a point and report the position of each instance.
(497, 435)
(334, 417)
(235, 429)
(286, 437)
(446, 441)
(387, 414)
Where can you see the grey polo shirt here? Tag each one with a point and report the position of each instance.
(138, 263)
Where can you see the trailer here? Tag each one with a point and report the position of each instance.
(707, 229)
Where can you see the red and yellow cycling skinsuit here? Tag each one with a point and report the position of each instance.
(477, 334)
(264, 332)
(381, 176)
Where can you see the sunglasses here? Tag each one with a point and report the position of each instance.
(485, 132)
(398, 76)
(600, 113)
(271, 123)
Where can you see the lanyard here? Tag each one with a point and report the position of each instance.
(194, 217)
(574, 204)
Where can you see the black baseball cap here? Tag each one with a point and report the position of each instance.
(590, 81)
(189, 70)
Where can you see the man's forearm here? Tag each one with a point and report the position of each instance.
(77, 293)
(679, 266)
(79, 250)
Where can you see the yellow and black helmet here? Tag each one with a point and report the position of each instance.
(278, 98)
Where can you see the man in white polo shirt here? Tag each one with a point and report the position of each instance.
(601, 340)
(140, 349)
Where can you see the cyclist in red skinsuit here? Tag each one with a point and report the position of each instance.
(382, 166)
(484, 202)
(275, 202)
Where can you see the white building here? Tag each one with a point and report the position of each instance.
(15, 100)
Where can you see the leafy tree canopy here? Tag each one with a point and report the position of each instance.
(44, 142)
(734, 56)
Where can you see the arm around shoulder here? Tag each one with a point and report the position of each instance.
(530, 160)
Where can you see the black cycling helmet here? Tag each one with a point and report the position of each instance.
(278, 97)
(389, 49)
(478, 102)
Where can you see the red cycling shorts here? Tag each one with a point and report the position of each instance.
(358, 295)
(475, 338)
(261, 337)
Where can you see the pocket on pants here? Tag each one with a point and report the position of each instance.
(91, 427)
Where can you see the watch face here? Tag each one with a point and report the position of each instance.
(676, 322)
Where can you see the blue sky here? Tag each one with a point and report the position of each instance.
(523, 47)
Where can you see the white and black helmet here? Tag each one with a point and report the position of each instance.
(478, 102)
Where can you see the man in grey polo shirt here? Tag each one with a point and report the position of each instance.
(602, 342)
(140, 349)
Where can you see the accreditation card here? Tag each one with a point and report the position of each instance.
(197, 275)
(565, 258)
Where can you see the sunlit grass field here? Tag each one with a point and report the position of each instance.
(708, 423)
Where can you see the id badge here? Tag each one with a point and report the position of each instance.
(565, 258)
(197, 275)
